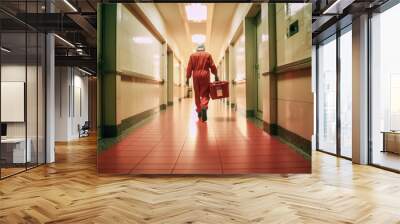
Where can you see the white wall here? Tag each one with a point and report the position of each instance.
(10, 73)
(70, 84)
(33, 127)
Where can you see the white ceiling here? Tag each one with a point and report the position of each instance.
(216, 27)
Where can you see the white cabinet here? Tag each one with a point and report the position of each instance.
(17, 147)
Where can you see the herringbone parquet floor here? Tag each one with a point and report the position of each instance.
(70, 191)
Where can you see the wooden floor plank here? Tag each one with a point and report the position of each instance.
(71, 191)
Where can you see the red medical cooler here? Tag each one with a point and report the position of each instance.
(219, 89)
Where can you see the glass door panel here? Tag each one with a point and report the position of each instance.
(346, 93)
(385, 89)
(14, 153)
(327, 96)
(31, 98)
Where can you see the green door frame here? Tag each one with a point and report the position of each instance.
(257, 20)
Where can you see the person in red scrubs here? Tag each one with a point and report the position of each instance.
(199, 66)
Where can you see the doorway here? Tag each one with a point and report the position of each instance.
(170, 77)
(334, 101)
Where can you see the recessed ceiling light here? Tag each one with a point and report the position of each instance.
(64, 40)
(337, 7)
(198, 38)
(196, 12)
(84, 71)
(70, 5)
(5, 50)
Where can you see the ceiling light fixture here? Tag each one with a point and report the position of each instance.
(70, 5)
(196, 12)
(337, 7)
(198, 38)
(5, 50)
(65, 41)
(84, 71)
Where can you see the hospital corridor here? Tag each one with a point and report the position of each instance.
(120, 111)
(264, 125)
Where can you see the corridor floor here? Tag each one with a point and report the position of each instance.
(176, 142)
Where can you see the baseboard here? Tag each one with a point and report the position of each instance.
(110, 131)
(129, 122)
(250, 113)
(295, 139)
(271, 129)
(163, 106)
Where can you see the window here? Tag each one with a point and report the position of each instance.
(385, 89)
(327, 95)
(22, 78)
(334, 106)
(346, 93)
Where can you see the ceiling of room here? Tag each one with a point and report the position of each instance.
(215, 27)
(74, 22)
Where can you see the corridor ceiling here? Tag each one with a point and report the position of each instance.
(215, 27)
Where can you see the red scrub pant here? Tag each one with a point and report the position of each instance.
(201, 86)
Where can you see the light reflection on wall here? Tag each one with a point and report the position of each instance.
(138, 51)
(240, 66)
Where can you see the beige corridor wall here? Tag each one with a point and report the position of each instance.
(298, 46)
(240, 73)
(177, 80)
(135, 41)
(295, 102)
(136, 97)
(135, 94)
(295, 99)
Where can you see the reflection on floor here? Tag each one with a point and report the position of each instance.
(177, 142)
(7, 171)
(71, 191)
(387, 159)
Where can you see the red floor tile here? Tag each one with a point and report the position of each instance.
(160, 159)
(154, 166)
(197, 166)
(176, 142)
(166, 153)
(198, 171)
(118, 160)
(151, 171)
